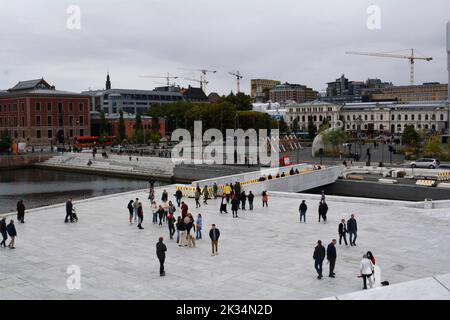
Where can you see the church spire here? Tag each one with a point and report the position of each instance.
(108, 82)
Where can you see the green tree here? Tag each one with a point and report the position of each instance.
(311, 128)
(122, 135)
(410, 135)
(334, 138)
(5, 141)
(283, 126)
(433, 146)
(324, 126)
(155, 125)
(295, 125)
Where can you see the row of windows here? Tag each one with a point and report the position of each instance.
(313, 109)
(39, 134)
(314, 118)
(11, 107)
(399, 127)
(49, 107)
(399, 117)
(14, 122)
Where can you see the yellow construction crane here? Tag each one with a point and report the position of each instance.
(411, 58)
(238, 79)
(168, 77)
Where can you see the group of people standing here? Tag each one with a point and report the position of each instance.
(6, 230)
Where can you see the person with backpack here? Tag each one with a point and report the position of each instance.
(171, 224)
(130, 210)
(319, 256)
(302, 209)
(11, 229)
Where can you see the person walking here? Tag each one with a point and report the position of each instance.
(302, 209)
(161, 254)
(235, 206)
(215, 190)
(181, 226)
(198, 227)
(223, 205)
(69, 208)
(3, 231)
(319, 256)
(197, 198)
(265, 198)
(366, 270)
(164, 196)
(160, 213)
(176, 227)
(189, 222)
(140, 214)
(227, 192)
(184, 209)
(322, 197)
(205, 194)
(342, 230)
(323, 209)
(20, 211)
(250, 197)
(352, 228)
(243, 198)
(154, 208)
(178, 197)
(135, 207)
(130, 210)
(214, 235)
(11, 229)
(171, 224)
(331, 257)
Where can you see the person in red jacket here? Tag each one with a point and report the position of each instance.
(184, 209)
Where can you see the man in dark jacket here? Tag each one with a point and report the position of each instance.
(243, 199)
(342, 230)
(69, 209)
(161, 254)
(319, 256)
(302, 209)
(323, 209)
(331, 257)
(178, 197)
(250, 197)
(214, 235)
(235, 206)
(352, 228)
(12, 233)
(3, 231)
(20, 211)
(164, 196)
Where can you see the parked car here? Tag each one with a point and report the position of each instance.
(444, 166)
(425, 163)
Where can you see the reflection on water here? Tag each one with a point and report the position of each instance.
(41, 187)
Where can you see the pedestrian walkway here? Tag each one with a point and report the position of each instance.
(264, 254)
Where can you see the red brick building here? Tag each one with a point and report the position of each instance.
(36, 113)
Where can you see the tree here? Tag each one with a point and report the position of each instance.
(324, 126)
(138, 123)
(283, 126)
(104, 130)
(5, 141)
(410, 135)
(433, 146)
(155, 125)
(138, 135)
(122, 135)
(334, 138)
(311, 128)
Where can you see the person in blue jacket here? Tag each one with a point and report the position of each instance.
(214, 234)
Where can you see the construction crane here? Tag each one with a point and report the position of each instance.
(168, 77)
(202, 77)
(238, 79)
(411, 58)
(202, 82)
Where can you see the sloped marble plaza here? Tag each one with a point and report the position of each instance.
(264, 254)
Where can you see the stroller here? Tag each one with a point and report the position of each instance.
(74, 216)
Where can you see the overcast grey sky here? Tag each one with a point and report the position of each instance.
(299, 41)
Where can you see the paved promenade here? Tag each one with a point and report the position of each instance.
(264, 254)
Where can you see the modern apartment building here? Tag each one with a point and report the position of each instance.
(292, 92)
(259, 89)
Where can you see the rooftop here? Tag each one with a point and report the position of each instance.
(264, 254)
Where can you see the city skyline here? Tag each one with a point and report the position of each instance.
(299, 45)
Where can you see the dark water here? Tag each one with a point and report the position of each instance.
(42, 187)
